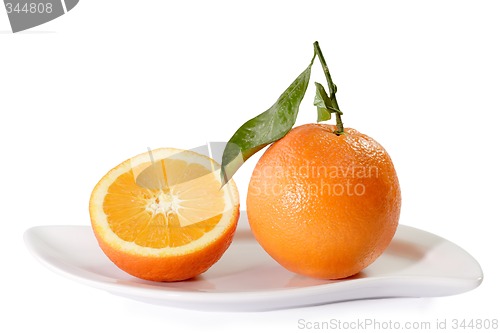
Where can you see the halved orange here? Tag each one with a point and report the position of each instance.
(164, 215)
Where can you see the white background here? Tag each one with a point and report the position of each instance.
(82, 93)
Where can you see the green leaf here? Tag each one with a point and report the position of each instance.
(326, 106)
(321, 101)
(265, 128)
(323, 114)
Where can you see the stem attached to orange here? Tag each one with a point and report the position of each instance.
(332, 88)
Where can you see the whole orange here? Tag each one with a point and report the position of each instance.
(322, 204)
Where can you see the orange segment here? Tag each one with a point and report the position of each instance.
(173, 215)
(166, 203)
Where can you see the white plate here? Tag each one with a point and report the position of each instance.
(416, 264)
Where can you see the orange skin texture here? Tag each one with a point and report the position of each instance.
(172, 268)
(324, 205)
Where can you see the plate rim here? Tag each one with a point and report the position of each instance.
(255, 300)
